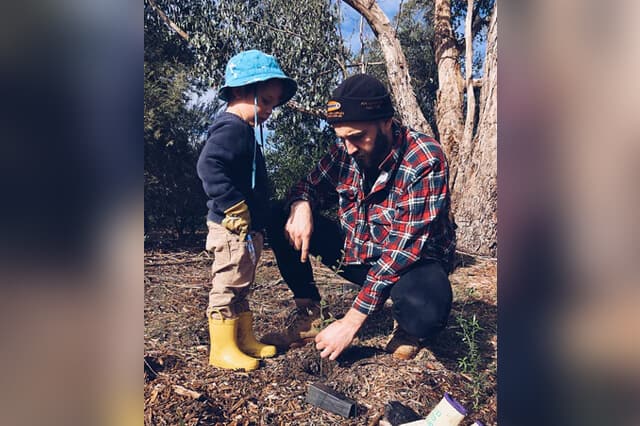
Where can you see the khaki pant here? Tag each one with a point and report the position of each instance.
(233, 271)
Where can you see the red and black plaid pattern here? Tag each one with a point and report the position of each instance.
(404, 218)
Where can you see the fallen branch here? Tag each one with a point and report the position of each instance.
(479, 256)
(180, 262)
(182, 391)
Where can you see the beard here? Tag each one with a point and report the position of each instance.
(370, 161)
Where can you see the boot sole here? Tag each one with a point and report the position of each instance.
(238, 369)
(256, 356)
(404, 357)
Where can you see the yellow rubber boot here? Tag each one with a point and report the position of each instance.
(247, 341)
(224, 348)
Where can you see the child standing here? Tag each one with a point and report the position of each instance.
(234, 177)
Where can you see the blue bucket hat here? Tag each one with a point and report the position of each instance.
(253, 66)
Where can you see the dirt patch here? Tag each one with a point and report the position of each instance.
(180, 388)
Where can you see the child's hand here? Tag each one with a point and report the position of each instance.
(238, 219)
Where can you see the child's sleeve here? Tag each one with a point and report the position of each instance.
(221, 150)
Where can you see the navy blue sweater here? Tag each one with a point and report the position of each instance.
(225, 165)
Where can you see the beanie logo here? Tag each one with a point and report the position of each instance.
(333, 106)
(333, 110)
(372, 104)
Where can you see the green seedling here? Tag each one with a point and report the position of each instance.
(469, 364)
(325, 319)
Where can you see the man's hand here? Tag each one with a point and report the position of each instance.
(338, 335)
(299, 228)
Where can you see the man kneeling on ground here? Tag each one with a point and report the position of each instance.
(395, 238)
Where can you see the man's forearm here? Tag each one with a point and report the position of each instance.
(301, 191)
(354, 318)
(299, 202)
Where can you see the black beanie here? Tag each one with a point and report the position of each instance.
(360, 97)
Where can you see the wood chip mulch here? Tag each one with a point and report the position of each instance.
(181, 389)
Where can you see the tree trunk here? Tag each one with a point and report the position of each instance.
(467, 137)
(472, 159)
(476, 198)
(449, 99)
(396, 63)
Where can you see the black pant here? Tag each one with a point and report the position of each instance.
(421, 297)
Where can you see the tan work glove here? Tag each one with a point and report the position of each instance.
(238, 219)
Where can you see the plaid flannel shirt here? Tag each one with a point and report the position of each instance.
(404, 218)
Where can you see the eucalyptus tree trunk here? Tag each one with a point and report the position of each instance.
(449, 97)
(476, 194)
(396, 63)
(467, 137)
(472, 155)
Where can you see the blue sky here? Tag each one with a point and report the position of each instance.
(351, 22)
(351, 27)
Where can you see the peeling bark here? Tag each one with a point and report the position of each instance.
(449, 100)
(472, 158)
(476, 200)
(471, 99)
(396, 63)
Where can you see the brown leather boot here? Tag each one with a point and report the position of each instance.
(301, 327)
(402, 345)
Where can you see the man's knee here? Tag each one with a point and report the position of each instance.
(422, 302)
(422, 321)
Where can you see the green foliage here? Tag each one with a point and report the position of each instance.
(296, 145)
(337, 270)
(173, 195)
(470, 327)
(470, 364)
(304, 39)
(481, 14)
(479, 24)
(416, 34)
